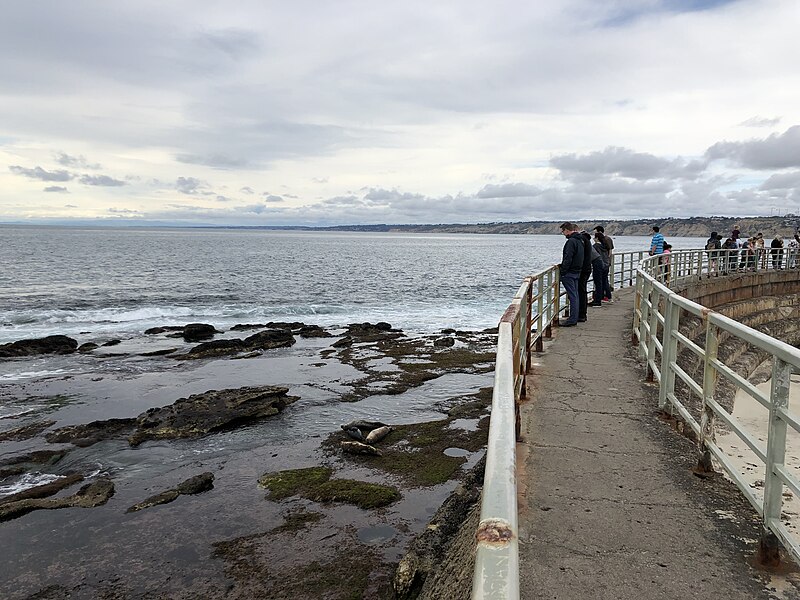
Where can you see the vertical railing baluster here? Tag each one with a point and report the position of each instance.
(776, 454)
(645, 315)
(655, 297)
(669, 355)
(707, 419)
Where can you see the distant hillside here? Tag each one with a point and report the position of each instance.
(690, 227)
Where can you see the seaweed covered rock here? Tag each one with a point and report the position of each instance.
(313, 331)
(270, 338)
(90, 495)
(216, 348)
(315, 483)
(16, 465)
(90, 433)
(52, 344)
(210, 411)
(193, 485)
(369, 332)
(263, 340)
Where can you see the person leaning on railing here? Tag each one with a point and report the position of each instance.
(713, 247)
(570, 269)
(657, 248)
(776, 250)
(730, 250)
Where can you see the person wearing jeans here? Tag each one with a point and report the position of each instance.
(570, 269)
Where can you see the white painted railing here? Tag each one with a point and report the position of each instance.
(528, 320)
(656, 331)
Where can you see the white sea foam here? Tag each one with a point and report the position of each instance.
(28, 481)
(19, 375)
(418, 283)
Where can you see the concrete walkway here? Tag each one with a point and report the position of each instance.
(609, 507)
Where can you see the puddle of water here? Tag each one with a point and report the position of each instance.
(465, 424)
(456, 452)
(384, 365)
(377, 533)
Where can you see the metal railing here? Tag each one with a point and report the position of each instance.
(536, 307)
(672, 354)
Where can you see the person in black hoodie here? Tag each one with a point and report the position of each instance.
(570, 270)
(586, 272)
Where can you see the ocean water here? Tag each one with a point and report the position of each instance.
(119, 282)
(102, 284)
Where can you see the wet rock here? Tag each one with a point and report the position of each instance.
(216, 348)
(194, 485)
(32, 460)
(52, 344)
(444, 342)
(448, 331)
(44, 490)
(210, 411)
(313, 331)
(197, 484)
(246, 326)
(368, 332)
(91, 433)
(253, 354)
(112, 343)
(285, 325)
(90, 495)
(263, 340)
(270, 338)
(156, 330)
(159, 352)
(25, 432)
(197, 332)
(88, 347)
(162, 498)
(429, 552)
(343, 343)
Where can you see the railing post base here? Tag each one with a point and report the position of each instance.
(769, 550)
(704, 468)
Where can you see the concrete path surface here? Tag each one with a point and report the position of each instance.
(609, 506)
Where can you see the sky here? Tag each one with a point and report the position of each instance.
(353, 112)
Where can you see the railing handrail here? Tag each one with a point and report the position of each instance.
(528, 320)
(658, 311)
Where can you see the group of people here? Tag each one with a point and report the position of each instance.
(585, 256)
(746, 254)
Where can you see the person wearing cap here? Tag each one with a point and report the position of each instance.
(608, 243)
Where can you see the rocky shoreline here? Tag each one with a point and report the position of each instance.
(414, 464)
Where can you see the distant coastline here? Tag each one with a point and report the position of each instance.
(784, 226)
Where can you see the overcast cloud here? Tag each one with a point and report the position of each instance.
(276, 113)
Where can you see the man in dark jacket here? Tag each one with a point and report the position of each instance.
(570, 269)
